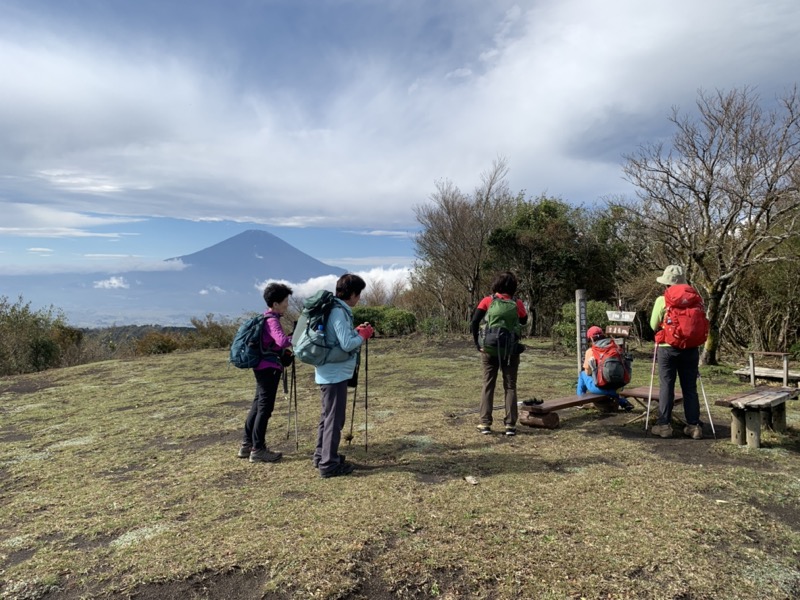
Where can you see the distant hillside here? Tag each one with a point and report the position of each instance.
(223, 279)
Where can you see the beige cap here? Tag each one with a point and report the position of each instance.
(673, 275)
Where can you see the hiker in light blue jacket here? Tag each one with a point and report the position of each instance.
(332, 377)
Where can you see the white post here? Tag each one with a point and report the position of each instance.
(580, 325)
(785, 370)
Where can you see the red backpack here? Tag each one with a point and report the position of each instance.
(685, 324)
(611, 367)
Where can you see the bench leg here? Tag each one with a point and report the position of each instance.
(753, 424)
(737, 427)
(779, 418)
(545, 421)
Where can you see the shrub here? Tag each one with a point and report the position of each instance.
(157, 343)
(564, 332)
(210, 333)
(386, 320)
(33, 340)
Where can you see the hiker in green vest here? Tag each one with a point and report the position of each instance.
(499, 346)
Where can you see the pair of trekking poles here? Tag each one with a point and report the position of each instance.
(650, 395)
(291, 393)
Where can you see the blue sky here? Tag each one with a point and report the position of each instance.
(137, 131)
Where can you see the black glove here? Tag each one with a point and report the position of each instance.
(287, 357)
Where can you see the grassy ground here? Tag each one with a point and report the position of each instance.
(121, 479)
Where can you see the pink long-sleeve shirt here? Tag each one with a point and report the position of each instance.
(273, 338)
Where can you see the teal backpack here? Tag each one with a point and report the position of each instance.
(247, 349)
(501, 333)
(313, 343)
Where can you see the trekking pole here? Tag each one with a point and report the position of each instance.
(289, 399)
(293, 393)
(366, 394)
(705, 398)
(349, 436)
(650, 393)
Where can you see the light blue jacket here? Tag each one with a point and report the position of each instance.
(340, 327)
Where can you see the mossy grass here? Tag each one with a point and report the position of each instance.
(122, 476)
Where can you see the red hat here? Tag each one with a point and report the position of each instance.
(594, 331)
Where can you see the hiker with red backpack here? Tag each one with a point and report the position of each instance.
(606, 369)
(498, 343)
(681, 327)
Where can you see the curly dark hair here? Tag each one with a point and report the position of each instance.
(505, 283)
(275, 293)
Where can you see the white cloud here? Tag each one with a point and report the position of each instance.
(112, 283)
(388, 277)
(212, 289)
(562, 89)
(40, 250)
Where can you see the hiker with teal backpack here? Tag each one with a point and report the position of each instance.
(275, 345)
(498, 343)
(342, 343)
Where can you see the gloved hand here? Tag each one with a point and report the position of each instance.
(365, 331)
(287, 357)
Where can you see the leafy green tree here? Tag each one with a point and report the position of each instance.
(554, 249)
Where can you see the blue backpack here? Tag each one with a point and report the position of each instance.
(247, 349)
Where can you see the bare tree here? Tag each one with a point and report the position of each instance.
(452, 244)
(724, 197)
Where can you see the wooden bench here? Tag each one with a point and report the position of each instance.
(753, 372)
(751, 409)
(545, 415)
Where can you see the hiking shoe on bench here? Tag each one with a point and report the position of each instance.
(664, 431)
(244, 451)
(265, 455)
(511, 431)
(694, 431)
(485, 429)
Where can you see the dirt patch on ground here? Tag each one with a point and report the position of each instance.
(235, 584)
(12, 435)
(25, 386)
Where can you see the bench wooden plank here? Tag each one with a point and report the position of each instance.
(565, 402)
(766, 373)
(768, 401)
(643, 392)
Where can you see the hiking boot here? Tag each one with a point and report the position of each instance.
(343, 468)
(485, 429)
(315, 460)
(511, 430)
(265, 455)
(664, 431)
(694, 431)
(244, 451)
(625, 405)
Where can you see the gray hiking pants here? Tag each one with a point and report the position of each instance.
(331, 422)
(491, 365)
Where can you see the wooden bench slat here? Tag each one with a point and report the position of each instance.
(565, 402)
(643, 392)
(766, 401)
